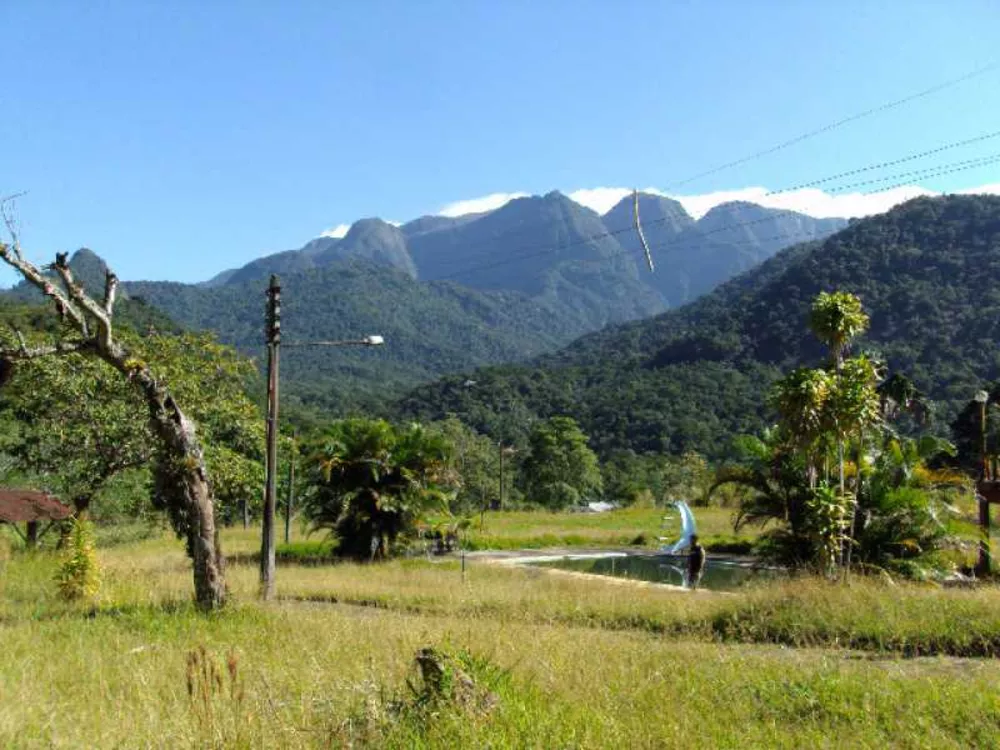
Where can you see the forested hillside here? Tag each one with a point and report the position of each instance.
(430, 328)
(454, 293)
(559, 252)
(928, 273)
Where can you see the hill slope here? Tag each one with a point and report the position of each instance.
(501, 286)
(430, 328)
(562, 254)
(928, 273)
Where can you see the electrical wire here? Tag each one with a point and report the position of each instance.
(837, 124)
(934, 171)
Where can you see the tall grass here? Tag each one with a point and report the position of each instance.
(618, 528)
(590, 664)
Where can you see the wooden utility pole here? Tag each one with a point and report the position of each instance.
(984, 563)
(500, 446)
(267, 561)
(291, 492)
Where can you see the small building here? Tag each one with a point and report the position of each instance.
(31, 508)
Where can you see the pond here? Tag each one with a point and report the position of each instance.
(720, 574)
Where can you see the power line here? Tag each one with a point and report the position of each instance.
(778, 147)
(737, 225)
(843, 121)
(839, 123)
(806, 236)
(934, 171)
(885, 164)
(938, 171)
(826, 128)
(771, 217)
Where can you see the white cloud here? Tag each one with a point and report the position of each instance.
(478, 205)
(991, 189)
(338, 231)
(810, 201)
(601, 199)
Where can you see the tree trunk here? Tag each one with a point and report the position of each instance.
(81, 504)
(183, 478)
(187, 490)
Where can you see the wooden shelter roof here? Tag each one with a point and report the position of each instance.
(18, 506)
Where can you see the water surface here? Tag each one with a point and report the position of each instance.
(720, 575)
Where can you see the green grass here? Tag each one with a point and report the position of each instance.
(626, 527)
(582, 663)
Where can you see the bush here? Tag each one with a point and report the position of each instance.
(557, 496)
(79, 575)
(371, 482)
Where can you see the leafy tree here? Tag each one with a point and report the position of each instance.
(837, 318)
(903, 500)
(560, 469)
(476, 464)
(692, 378)
(182, 475)
(80, 425)
(629, 477)
(801, 399)
(776, 494)
(841, 406)
(370, 483)
(213, 380)
(899, 396)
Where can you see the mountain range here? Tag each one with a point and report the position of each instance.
(453, 293)
(927, 272)
(552, 246)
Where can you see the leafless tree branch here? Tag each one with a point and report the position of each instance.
(184, 481)
(110, 292)
(35, 277)
(24, 352)
(10, 221)
(85, 301)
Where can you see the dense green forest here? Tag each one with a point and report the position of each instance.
(452, 294)
(430, 329)
(691, 379)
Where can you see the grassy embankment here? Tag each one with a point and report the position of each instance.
(587, 663)
(626, 527)
(629, 527)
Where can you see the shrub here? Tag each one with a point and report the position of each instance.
(371, 482)
(79, 575)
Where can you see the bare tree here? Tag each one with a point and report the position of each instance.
(182, 476)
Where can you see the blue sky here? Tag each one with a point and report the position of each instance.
(179, 138)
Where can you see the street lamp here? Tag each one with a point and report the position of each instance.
(267, 556)
(366, 341)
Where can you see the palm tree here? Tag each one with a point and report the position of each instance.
(898, 394)
(901, 504)
(772, 477)
(800, 399)
(855, 408)
(371, 482)
(836, 318)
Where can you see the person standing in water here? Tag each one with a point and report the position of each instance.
(696, 563)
